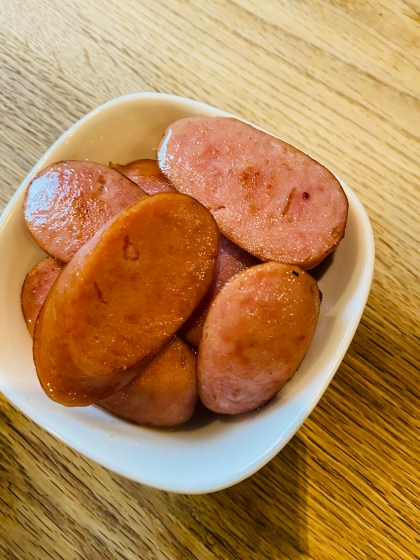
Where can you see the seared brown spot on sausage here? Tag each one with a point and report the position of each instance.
(99, 292)
(305, 195)
(250, 178)
(336, 234)
(211, 151)
(131, 253)
(288, 202)
(295, 273)
(131, 318)
(80, 208)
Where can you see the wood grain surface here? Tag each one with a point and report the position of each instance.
(338, 78)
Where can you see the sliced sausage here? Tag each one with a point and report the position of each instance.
(66, 203)
(232, 259)
(165, 394)
(268, 197)
(123, 296)
(146, 174)
(257, 331)
(35, 288)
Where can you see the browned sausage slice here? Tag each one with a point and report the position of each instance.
(35, 288)
(146, 174)
(165, 394)
(232, 259)
(66, 203)
(271, 199)
(123, 296)
(257, 331)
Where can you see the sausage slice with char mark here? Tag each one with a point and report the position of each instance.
(256, 334)
(232, 259)
(123, 296)
(268, 197)
(66, 204)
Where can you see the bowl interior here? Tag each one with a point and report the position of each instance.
(211, 452)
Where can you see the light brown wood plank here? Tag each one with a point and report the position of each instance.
(340, 80)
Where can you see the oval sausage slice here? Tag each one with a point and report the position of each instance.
(146, 174)
(257, 331)
(66, 203)
(35, 288)
(232, 259)
(165, 394)
(123, 296)
(268, 197)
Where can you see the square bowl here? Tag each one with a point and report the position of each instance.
(211, 452)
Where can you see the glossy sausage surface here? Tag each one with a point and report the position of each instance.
(66, 204)
(123, 296)
(232, 259)
(146, 174)
(257, 332)
(35, 288)
(165, 394)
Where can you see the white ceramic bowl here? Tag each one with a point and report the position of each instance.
(211, 452)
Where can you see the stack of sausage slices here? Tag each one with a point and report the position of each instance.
(181, 279)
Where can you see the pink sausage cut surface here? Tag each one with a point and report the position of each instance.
(257, 332)
(232, 259)
(268, 197)
(35, 288)
(66, 204)
(146, 174)
(165, 394)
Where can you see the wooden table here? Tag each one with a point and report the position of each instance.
(340, 80)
